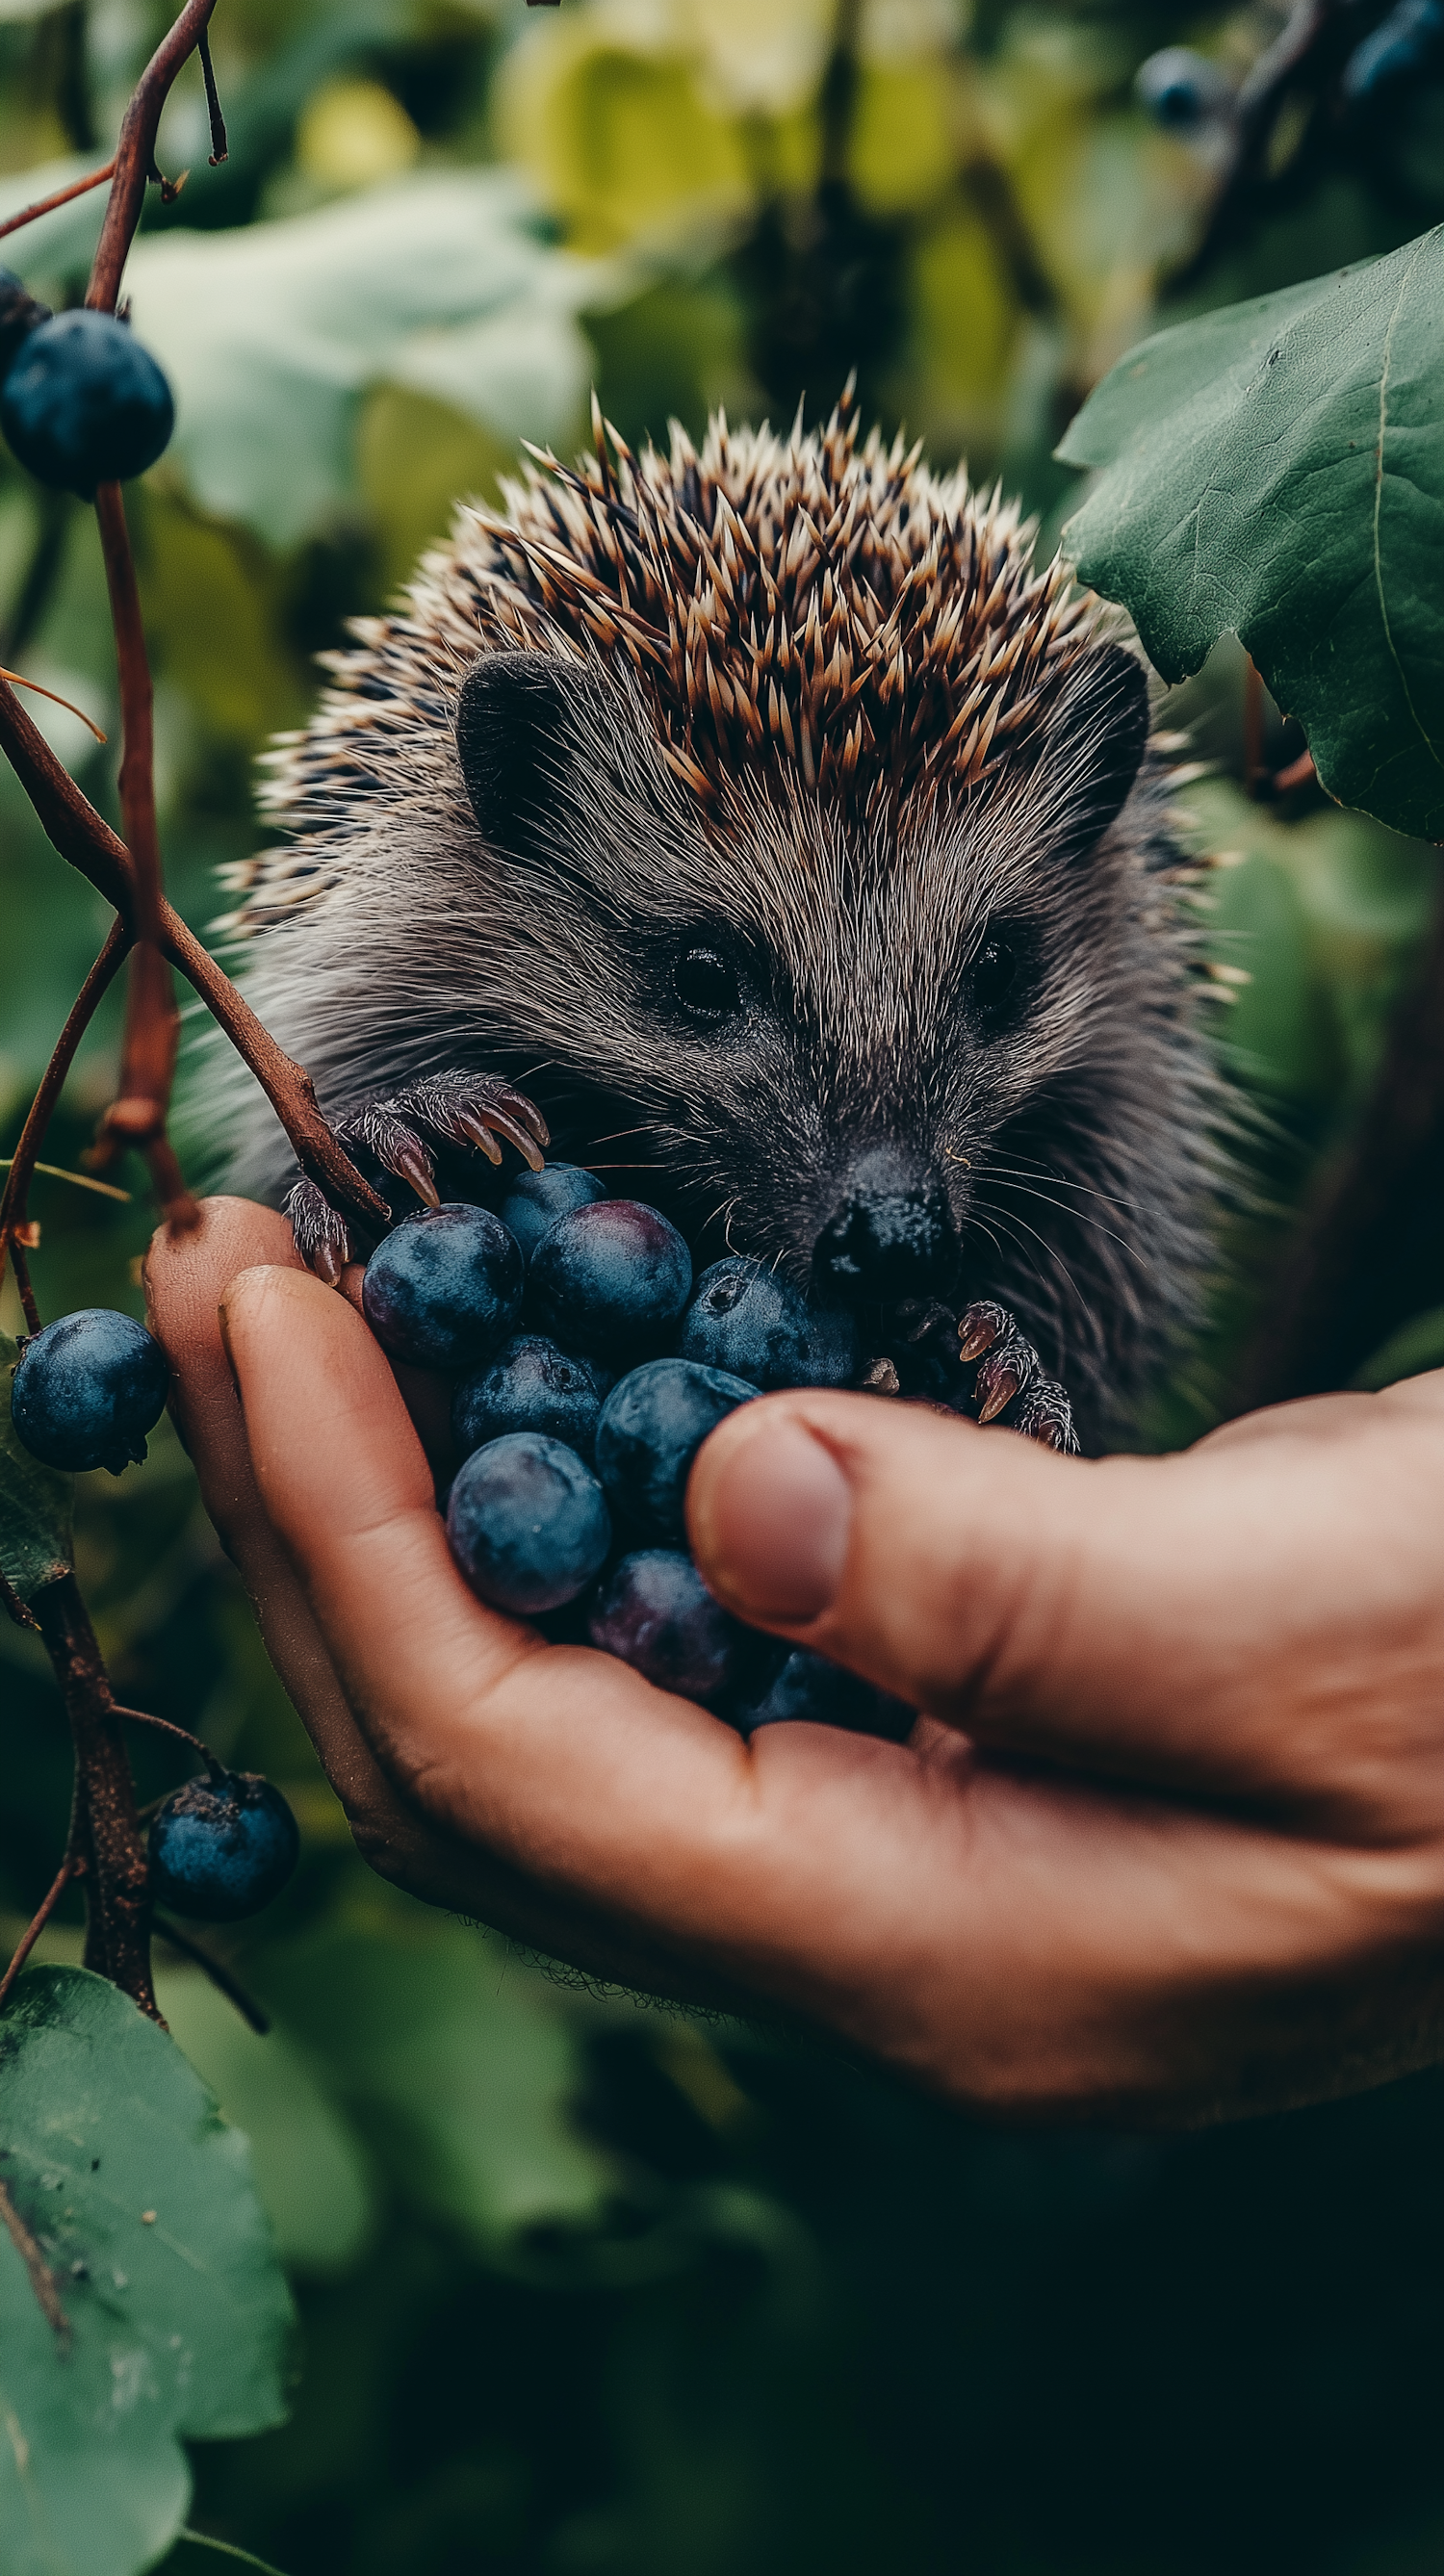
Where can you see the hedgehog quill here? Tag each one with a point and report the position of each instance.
(799, 845)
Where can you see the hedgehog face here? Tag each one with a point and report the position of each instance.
(821, 1022)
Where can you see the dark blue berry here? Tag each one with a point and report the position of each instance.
(809, 1688)
(1180, 88)
(613, 1277)
(19, 316)
(747, 1319)
(84, 403)
(653, 1424)
(536, 1200)
(444, 1288)
(655, 1612)
(530, 1386)
(528, 1523)
(88, 1389)
(222, 1848)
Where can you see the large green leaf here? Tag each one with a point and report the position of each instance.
(1277, 471)
(142, 2203)
(35, 1502)
(271, 334)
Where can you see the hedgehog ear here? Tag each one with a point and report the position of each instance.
(512, 721)
(1096, 737)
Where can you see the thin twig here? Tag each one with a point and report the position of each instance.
(69, 1868)
(220, 1977)
(62, 197)
(82, 1180)
(135, 153)
(42, 2279)
(14, 1200)
(220, 149)
(81, 837)
(144, 1717)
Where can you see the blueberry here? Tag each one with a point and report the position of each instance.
(527, 1523)
(655, 1612)
(747, 1319)
(222, 1848)
(19, 316)
(811, 1689)
(530, 1386)
(444, 1288)
(84, 403)
(613, 1277)
(536, 1199)
(653, 1424)
(1180, 88)
(88, 1389)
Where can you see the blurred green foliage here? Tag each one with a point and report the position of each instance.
(587, 2287)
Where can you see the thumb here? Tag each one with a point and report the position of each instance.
(1097, 1611)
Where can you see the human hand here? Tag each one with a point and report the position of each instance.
(1186, 1861)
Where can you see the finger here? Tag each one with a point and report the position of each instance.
(1215, 1620)
(186, 1277)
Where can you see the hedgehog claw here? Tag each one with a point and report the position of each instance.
(1011, 1374)
(321, 1237)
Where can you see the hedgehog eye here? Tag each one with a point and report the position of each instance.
(706, 985)
(991, 974)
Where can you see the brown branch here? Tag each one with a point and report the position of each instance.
(14, 1200)
(42, 2279)
(62, 197)
(135, 153)
(81, 837)
(220, 1976)
(137, 1116)
(105, 1832)
(69, 1869)
(163, 1725)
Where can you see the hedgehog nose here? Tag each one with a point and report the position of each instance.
(890, 1237)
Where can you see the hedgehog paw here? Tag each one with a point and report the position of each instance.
(1011, 1380)
(321, 1237)
(398, 1132)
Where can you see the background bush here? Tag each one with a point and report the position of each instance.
(587, 2287)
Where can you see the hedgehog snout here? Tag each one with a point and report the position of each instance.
(891, 1234)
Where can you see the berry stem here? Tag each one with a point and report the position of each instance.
(62, 197)
(135, 153)
(220, 1976)
(137, 1116)
(14, 1201)
(69, 1869)
(105, 1830)
(79, 836)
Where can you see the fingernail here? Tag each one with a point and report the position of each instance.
(771, 1522)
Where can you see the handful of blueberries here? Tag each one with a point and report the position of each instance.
(577, 1436)
(577, 1432)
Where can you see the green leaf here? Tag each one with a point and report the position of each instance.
(179, 2320)
(271, 334)
(1277, 471)
(36, 1546)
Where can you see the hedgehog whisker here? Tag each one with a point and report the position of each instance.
(1080, 1216)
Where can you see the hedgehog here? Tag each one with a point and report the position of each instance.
(762, 825)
